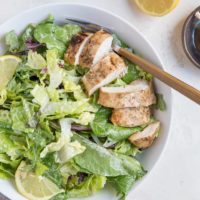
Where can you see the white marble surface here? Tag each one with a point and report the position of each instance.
(176, 176)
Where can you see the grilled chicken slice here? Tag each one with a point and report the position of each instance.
(146, 137)
(138, 93)
(105, 71)
(98, 46)
(131, 117)
(76, 47)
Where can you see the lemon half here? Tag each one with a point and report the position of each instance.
(8, 65)
(157, 7)
(34, 187)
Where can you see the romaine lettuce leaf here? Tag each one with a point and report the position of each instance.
(90, 186)
(41, 96)
(126, 148)
(64, 108)
(160, 104)
(84, 118)
(3, 96)
(64, 148)
(68, 151)
(135, 72)
(23, 116)
(55, 72)
(54, 94)
(35, 60)
(117, 83)
(29, 110)
(12, 41)
(40, 169)
(6, 172)
(68, 169)
(19, 119)
(53, 172)
(132, 73)
(5, 117)
(64, 138)
(98, 160)
(19, 44)
(119, 42)
(7, 145)
(26, 36)
(55, 36)
(122, 184)
(5, 159)
(70, 82)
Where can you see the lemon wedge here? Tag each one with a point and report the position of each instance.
(8, 65)
(34, 187)
(157, 7)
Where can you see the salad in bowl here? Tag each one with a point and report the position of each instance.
(74, 115)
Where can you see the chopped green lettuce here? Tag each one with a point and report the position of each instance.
(35, 60)
(122, 184)
(160, 102)
(12, 41)
(68, 169)
(3, 96)
(117, 83)
(7, 146)
(64, 108)
(68, 151)
(64, 148)
(85, 118)
(53, 172)
(40, 169)
(5, 117)
(19, 119)
(55, 72)
(55, 36)
(40, 95)
(5, 159)
(126, 148)
(90, 186)
(6, 172)
(132, 73)
(30, 113)
(64, 138)
(119, 42)
(6, 72)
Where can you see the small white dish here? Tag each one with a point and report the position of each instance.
(133, 38)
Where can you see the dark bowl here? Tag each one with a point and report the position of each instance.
(188, 37)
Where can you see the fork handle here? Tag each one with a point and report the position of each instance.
(163, 76)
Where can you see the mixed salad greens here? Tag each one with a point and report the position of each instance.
(47, 120)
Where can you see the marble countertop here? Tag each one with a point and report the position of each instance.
(176, 176)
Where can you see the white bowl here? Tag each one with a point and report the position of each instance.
(132, 37)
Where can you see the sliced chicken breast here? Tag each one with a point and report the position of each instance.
(76, 47)
(138, 93)
(146, 137)
(105, 71)
(98, 46)
(131, 117)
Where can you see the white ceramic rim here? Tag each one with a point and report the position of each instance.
(138, 32)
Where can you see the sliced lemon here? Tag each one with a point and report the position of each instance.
(34, 187)
(8, 65)
(157, 7)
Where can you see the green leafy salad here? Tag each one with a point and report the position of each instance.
(48, 122)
